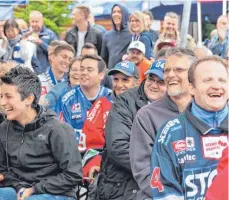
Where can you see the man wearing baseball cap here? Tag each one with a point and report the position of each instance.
(165, 44)
(125, 75)
(116, 166)
(136, 54)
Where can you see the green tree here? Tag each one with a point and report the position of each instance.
(56, 13)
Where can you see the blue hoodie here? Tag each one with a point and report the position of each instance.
(115, 42)
(146, 38)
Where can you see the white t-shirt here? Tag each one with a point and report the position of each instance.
(81, 37)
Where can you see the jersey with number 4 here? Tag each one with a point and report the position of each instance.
(72, 108)
(185, 156)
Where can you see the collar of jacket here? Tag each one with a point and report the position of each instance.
(200, 125)
(88, 28)
(42, 116)
(142, 100)
(170, 104)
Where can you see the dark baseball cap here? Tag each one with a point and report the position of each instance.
(126, 67)
(157, 68)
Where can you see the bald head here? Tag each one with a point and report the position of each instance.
(36, 20)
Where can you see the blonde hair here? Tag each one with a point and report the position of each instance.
(140, 17)
(21, 24)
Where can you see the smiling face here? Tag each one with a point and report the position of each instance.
(121, 83)
(170, 25)
(61, 60)
(176, 75)
(10, 99)
(74, 73)
(90, 76)
(154, 87)
(210, 88)
(117, 16)
(135, 25)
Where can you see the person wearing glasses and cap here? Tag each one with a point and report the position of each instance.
(150, 118)
(116, 161)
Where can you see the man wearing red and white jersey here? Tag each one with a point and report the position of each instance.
(188, 148)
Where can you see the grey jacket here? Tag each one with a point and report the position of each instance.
(44, 154)
(146, 124)
(116, 42)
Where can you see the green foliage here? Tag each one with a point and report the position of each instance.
(55, 13)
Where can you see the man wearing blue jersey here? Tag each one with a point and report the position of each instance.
(188, 148)
(72, 107)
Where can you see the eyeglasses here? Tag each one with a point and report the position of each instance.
(176, 70)
(158, 82)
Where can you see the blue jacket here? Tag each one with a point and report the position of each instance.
(54, 94)
(147, 39)
(185, 156)
(72, 108)
(47, 36)
(218, 48)
(115, 42)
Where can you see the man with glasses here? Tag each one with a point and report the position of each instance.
(115, 167)
(187, 148)
(136, 54)
(150, 118)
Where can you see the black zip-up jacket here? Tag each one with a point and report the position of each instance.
(116, 181)
(43, 154)
(93, 36)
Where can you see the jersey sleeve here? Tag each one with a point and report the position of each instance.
(166, 177)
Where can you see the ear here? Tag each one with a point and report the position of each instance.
(191, 89)
(138, 82)
(101, 75)
(29, 100)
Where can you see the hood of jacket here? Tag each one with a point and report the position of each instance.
(147, 34)
(125, 16)
(43, 115)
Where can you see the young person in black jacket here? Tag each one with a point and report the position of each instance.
(39, 155)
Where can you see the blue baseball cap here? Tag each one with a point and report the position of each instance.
(157, 68)
(126, 67)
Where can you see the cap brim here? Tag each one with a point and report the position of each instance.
(115, 71)
(158, 73)
(160, 45)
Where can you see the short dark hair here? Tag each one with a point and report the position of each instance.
(61, 47)
(26, 81)
(147, 12)
(90, 46)
(192, 69)
(10, 23)
(101, 64)
(161, 53)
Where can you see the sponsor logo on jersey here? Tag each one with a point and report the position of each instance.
(166, 129)
(187, 158)
(92, 114)
(213, 146)
(197, 181)
(76, 107)
(179, 145)
(182, 146)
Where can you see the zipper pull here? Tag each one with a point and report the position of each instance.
(22, 141)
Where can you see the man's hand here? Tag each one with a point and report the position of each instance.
(36, 40)
(222, 34)
(93, 170)
(1, 177)
(22, 195)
